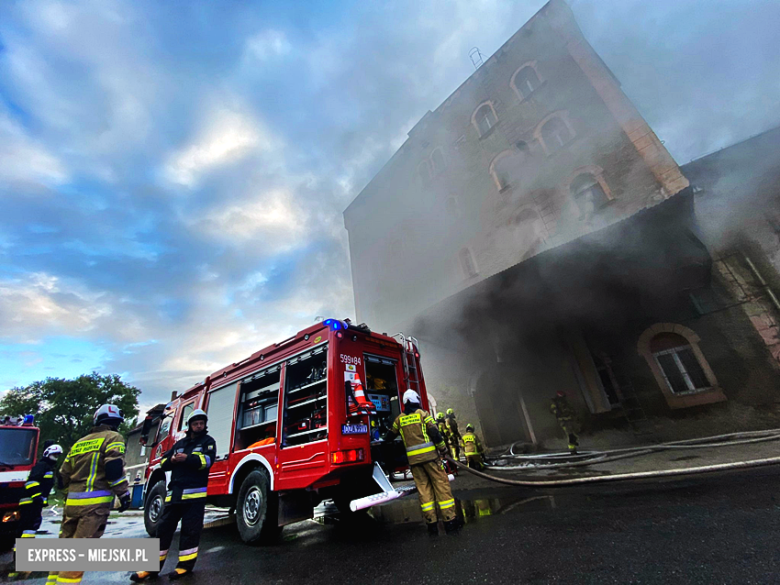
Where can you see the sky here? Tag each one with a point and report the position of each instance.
(173, 174)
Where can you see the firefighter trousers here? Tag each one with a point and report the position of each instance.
(474, 461)
(191, 516)
(455, 447)
(29, 524)
(80, 522)
(569, 427)
(433, 488)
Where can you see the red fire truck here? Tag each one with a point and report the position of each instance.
(295, 423)
(18, 447)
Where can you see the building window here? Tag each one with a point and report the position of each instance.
(507, 168)
(681, 369)
(452, 206)
(437, 161)
(424, 172)
(525, 80)
(588, 193)
(484, 118)
(554, 133)
(467, 263)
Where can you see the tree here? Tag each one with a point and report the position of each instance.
(63, 409)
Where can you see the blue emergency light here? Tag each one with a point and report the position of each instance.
(335, 324)
(28, 419)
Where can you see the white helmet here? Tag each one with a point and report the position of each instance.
(108, 414)
(411, 396)
(197, 414)
(52, 451)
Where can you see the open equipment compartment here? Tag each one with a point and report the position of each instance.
(259, 404)
(306, 397)
(382, 391)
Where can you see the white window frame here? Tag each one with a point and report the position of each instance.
(681, 368)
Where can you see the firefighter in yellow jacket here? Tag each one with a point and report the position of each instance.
(93, 473)
(472, 448)
(422, 441)
(444, 430)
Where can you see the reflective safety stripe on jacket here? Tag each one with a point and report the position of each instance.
(413, 429)
(470, 444)
(89, 498)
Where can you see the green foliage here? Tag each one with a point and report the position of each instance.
(63, 409)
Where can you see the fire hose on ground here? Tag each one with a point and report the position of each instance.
(730, 439)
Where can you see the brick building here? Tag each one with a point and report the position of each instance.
(536, 236)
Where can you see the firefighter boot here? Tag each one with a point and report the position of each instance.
(453, 526)
(142, 576)
(433, 529)
(179, 573)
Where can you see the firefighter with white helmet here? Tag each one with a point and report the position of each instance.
(39, 484)
(189, 461)
(424, 445)
(93, 474)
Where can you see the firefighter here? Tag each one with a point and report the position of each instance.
(567, 419)
(444, 430)
(36, 491)
(422, 441)
(472, 448)
(188, 461)
(93, 473)
(455, 438)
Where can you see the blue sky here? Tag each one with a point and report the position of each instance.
(172, 174)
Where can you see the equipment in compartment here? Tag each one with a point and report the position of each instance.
(305, 415)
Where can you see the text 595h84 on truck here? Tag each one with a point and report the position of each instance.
(294, 424)
(18, 446)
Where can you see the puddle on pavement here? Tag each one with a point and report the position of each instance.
(408, 509)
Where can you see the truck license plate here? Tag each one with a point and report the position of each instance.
(354, 429)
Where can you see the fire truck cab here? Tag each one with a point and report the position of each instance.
(295, 423)
(18, 447)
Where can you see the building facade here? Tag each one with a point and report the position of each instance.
(536, 236)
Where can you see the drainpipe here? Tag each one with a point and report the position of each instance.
(763, 282)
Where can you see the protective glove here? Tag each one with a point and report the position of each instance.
(124, 501)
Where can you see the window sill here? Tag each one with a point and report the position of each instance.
(533, 93)
(694, 398)
(489, 132)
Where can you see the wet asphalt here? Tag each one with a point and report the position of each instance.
(709, 529)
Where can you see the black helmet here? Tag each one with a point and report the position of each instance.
(469, 427)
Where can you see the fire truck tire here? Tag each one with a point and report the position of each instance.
(153, 508)
(255, 523)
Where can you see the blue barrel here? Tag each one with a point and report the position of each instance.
(138, 496)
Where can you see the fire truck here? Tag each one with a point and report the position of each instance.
(295, 423)
(18, 447)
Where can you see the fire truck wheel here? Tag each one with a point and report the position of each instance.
(255, 524)
(153, 508)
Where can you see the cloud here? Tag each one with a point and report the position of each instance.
(226, 137)
(23, 160)
(266, 45)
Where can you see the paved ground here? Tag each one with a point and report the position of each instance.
(707, 529)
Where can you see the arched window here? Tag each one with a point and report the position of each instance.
(467, 263)
(525, 81)
(437, 161)
(555, 133)
(424, 172)
(588, 193)
(679, 364)
(508, 166)
(484, 118)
